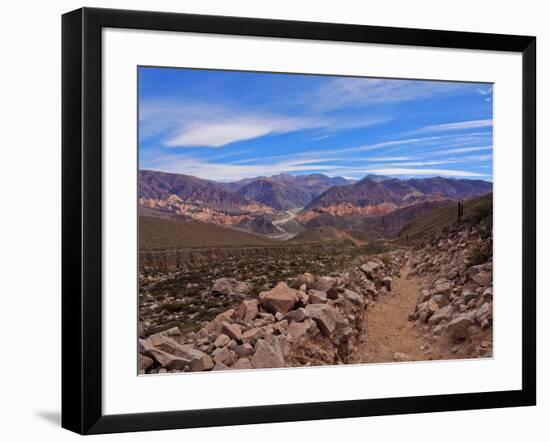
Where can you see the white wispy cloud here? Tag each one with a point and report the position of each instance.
(460, 125)
(462, 150)
(342, 92)
(417, 171)
(205, 125)
(220, 133)
(189, 165)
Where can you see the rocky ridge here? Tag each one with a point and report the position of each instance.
(303, 321)
(455, 308)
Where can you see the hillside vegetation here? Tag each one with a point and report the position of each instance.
(477, 211)
(167, 234)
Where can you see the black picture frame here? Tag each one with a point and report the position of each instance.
(82, 220)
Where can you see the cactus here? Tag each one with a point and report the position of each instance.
(460, 211)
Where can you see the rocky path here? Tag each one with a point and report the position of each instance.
(388, 334)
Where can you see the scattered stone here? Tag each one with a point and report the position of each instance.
(443, 314)
(354, 297)
(324, 316)
(242, 364)
(144, 362)
(244, 350)
(248, 310)
(326, 284)
(230, 287)
(231, 330)
(297, 330)
(484, 315)
(222, 340)
(297, 315)
(386, 283)
(220, 366)
(251, 336)
(487, 294)
(225, 356)
(468, 295)
(279, 299)
(267, 355)
(483, 278)
(458, 328)
(369, 268)
(171, 332)
(317, 297)
(203, 363)
(444, 288)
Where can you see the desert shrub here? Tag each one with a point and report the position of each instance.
(478, 255)
(481, 211)
(173, 306)
(386, 258)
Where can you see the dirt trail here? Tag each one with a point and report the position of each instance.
(387, 331)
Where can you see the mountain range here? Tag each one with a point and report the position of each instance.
(272, 205)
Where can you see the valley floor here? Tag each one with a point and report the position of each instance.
(405, 305)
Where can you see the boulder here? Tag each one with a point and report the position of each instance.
(444, 288)
(231, 330)
(369, 268)
(386, 282)
(215, 325)
(297, 315)
(487, 294)
(167, 360)
(267, 355)
(369, 287)
(317, 297)
(279, 299)
(468, 295)
(242, 364)
(225, 355)
(354, 297)
(483, 278)
(222, 340)
(144, 362)
(203, 363)
(484, 315)
(326, 284)
(218, 366)
(296, 330)
(187, 353)
(230, 287)
(252, 335)
(459, 327)
(443, 314)
(244, 350)
(303, 298)
(248, 310)
(440, 300)
(171, 332)
(324, 316)
(280, 327)
(425, 310)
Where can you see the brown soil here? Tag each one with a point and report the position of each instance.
(388, 330)
(389, 336)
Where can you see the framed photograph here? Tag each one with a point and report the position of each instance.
(269, 221)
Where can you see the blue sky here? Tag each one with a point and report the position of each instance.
(227, 125)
